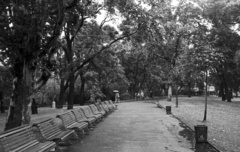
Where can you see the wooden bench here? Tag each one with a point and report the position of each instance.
(70, 122)
(88, 113)
(108, 106)
(50, 131)
(22, 139)
(80, 117)
(112, 107)
(110, 102)
(96, 111)
(105, 107)
(100, 108)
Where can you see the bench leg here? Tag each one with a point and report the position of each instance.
(74, 136)
(86, 131)
(92, 125)
(57, 149)
(66, 142)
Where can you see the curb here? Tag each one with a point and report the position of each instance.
(189, 128)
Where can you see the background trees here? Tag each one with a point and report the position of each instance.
(155, 46)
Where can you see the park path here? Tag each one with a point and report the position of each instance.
(134, 127)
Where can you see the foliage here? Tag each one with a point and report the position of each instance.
(46, 95)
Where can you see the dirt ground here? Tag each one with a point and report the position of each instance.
(223, 119)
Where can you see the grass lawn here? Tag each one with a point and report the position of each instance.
(223, 119)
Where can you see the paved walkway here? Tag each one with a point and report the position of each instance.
(135, 127)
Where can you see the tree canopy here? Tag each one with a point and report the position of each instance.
(152, 46)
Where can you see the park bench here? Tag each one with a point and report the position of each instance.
(111, 106)
(110, 102)
(105, 107)
(96, 111)
(70, 122)
(80, 117)
(88, 113)
(100, 108)
(48, 130)
(23, 139)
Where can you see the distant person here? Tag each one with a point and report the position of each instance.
(34, 107)
(151, 94)
(163, 92)
(117, 98)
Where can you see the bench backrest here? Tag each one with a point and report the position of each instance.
(108, 105)
(48, 128)
(99, 107)
(93, 108)
(16, 138)
(110, 102)
(87, 111)
(79, 114)
(104, 106)
(68, 118)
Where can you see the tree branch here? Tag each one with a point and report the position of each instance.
(101, 50)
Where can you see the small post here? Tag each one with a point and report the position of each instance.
(201, 133)
(168, 110)
(54, 105)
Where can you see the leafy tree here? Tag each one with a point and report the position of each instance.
(223, 16)
(29, 38)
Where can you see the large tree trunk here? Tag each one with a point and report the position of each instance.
(177, 98)
(2, 108)
(223, 91)
(82, 95)
(189, 90)
(61, 95)
(227, 92)
(71, 91)
(231, 93)
(20, 104)
(220, 94)
(169, 92)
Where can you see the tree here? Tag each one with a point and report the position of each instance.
(29, 38)
(223, 16)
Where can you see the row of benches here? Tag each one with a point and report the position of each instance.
(48, 135)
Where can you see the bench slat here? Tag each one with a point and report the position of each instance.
(22, 139)
(80, 117)
(88, 112)
(70, 121)
(50, 131)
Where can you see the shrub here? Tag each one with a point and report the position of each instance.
(125, 96)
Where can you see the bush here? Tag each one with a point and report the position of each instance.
(125, 96)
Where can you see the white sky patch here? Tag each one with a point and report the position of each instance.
(236, 28)
(112, 20)
(175, 3)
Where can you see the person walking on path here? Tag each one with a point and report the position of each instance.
(34, 107)
(117, 98)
